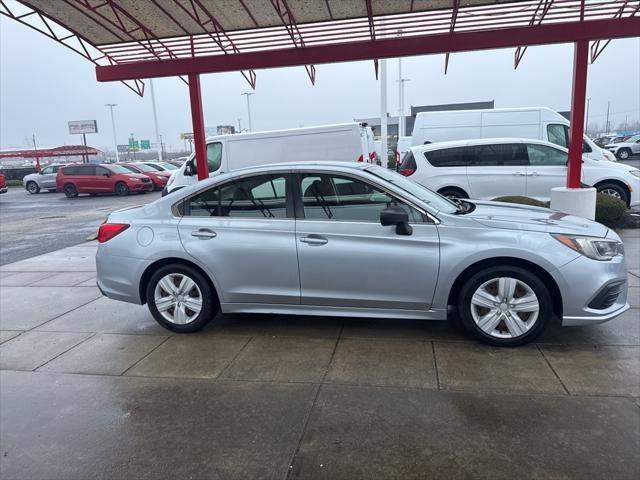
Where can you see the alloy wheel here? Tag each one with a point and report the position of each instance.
(32, 187)
(505, 307)
(178, 298)
(612, 193)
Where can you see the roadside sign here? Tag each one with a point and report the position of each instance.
(123, 148)
(135, 144)
(145, 144)
(82, 126)
(186, 136)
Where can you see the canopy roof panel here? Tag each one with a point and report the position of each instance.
(131, 39)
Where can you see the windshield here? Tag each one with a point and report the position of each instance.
(635, 138)
(168, 166)
(119, 169)
(434, 200)
(144, 167)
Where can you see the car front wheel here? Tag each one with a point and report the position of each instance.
(614, 190)
(504, 306)
(624, 153)
(180, 298)
(122, 189)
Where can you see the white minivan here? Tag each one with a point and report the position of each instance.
(493, 167)
(351, 142)
(539, 123)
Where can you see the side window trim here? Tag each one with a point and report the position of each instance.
(182, 208)
(299, 204)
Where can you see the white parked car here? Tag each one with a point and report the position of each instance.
(623, 150)
(351, 142)
(539, 123)
(492, 167)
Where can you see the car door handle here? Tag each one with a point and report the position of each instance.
(314, 240)
(518, 174)
(204, 234)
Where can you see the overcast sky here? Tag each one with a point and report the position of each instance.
(43, 85)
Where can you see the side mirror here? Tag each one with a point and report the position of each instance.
(107, 174)
(397, 216)
(189, 170)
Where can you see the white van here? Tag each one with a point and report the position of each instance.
(538, 123)
(351, 142)
(493, 167)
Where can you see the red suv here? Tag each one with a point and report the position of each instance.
(105, 178)
(3, 184)
(158, 178)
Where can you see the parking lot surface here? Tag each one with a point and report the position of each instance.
(31, 225)
(93, 388)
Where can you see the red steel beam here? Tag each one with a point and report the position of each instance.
(578, 101)
(458, 41)
(454, 18)
(197, 118)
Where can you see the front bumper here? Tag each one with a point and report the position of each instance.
(4, 189)
(141, 187)
(581, 281)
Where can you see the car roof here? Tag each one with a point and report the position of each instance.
(478, 141)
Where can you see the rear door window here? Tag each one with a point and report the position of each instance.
(499, 155)
(408, 163)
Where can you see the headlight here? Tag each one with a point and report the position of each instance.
(135, 179)
(592, 247)
(635, 173)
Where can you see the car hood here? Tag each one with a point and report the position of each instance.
(535, 219)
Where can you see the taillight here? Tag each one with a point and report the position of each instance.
(407, 172)
(360, 158)
(109, 230)
(372, 156)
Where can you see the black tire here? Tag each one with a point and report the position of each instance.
(623, 153)
(210, 304)
(70, 190)
(122, 189)
(452, 192)
(614, 190)
(545, 311)
(33, 188)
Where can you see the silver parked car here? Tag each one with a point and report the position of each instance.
(623, 150)
(45, 179)
(341, 239)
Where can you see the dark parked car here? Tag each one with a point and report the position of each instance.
(93, 179)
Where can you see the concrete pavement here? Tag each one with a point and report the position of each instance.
(93, 388)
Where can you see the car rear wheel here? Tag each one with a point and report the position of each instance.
(122, 189)
(614, 190)
(504, 306)
(453, 193)
(624, 153)
(33, 188)
(181, 299)
(70, 191)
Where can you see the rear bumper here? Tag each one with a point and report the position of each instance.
(119, 277)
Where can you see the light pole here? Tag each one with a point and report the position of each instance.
(155, 118)
(607, 124)
(586, 123)
(113, 128)
(248, 107)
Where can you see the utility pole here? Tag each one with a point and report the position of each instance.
(248, 94)
(113, 129)
(133, 147)
(586, 122)
(155, 118)
(383, 113)
(35, 147)
(239, 126)
(607, 124)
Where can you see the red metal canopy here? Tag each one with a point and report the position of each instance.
(64, 151)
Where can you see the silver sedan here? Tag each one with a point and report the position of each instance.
(341, 239)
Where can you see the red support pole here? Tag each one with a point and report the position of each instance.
(578, 101)
(197, 118)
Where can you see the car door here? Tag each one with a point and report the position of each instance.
(546, 169)
(85, 178)
(496, 170)
(48, 177)
(348, 259)
(243, 232)
(102, 181)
